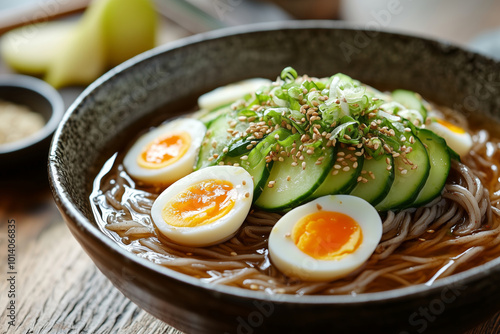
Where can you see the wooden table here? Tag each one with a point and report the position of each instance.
(57, 287)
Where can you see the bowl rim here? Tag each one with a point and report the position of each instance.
(40, 87)
(79, 221)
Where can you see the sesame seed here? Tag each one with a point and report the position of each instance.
(341, 154)
(404, 171)
(210, 158)
(337, 166)
(389, 167)
(288, 178)
(234, 253)
(421, 239)
(347, 137)
(288, 235)
(236, 164)
(294, 164)
(303, 165)
(318, 206)
(247, 194)
(371, 175)
(214, 144)
(335, 172)
(271, 184)
(359, 178)
(355, 165)
(310, 151)
(242, 118)
(245, 157)
(221, 163)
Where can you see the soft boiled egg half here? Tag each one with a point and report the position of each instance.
(325, 239)
(166, 153)
(457, 138)
(230, 93)
(204, 208)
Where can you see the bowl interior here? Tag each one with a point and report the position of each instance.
(164, 82)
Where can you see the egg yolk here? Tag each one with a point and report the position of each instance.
(200, 204)
(327, 235)
(165, 150)
(450, 126)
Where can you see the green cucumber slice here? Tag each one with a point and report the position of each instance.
(440, 161)
(255, 162)
(215, 140)
(378, 177)
(292, 183)
(339, 181)
(410, 100)
(405, 188)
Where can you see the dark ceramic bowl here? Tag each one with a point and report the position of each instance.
(153, 85)
(39, 97)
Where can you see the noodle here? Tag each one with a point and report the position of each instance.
(456, 231)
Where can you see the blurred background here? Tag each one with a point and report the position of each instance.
(463, 22)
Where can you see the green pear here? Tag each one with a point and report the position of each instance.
(108, 33)
(130, 27)
(31, 49)
(82, 59)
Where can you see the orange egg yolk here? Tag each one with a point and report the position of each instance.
(450, 126)
(327, 235)
(201, 204)
(165, 150)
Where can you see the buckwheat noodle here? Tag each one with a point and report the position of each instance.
(458, 230)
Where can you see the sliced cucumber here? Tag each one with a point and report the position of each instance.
(410, 100)
(294, 184)
(208, 117)
(216, 139)
(255, 163)
(378, 178)
(405, 188)
(338, 180)
(440, 166)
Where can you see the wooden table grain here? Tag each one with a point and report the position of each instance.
(57, 287)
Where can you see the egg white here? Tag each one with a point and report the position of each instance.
(174, 171)
(230, 93)
(459, 142)
(217, 231)
(290, 260)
